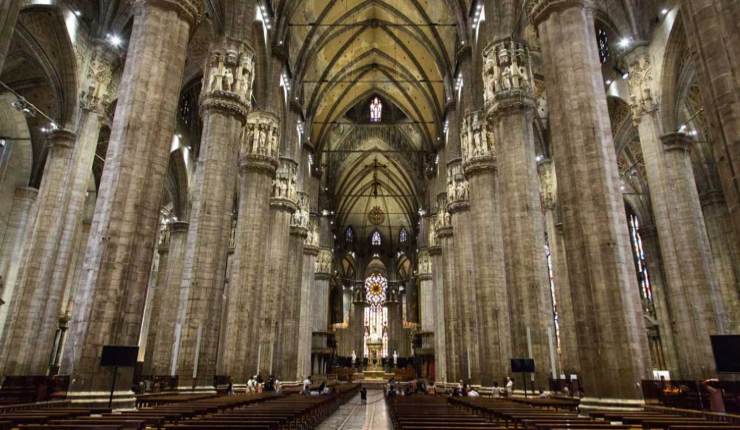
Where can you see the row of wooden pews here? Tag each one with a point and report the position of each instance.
(421, 411)
(517, 415)
(661, 420)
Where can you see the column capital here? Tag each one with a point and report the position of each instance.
(642, 100)
(228, 80)
(477, 144)
(457, 187)
(676, 141)
(324, 262)
(61, 138)
(435, 250)
(99, 76)
(424, 264)
(284, 194)
(300, 218)
(312, 236)
(189, 10)
(508, 81)
(27, 193)
(540, 10)
(179, 226)
(259, 146)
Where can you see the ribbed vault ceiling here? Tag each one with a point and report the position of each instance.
(343, 52)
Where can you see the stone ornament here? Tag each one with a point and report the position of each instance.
(260, 140)
(376, 216)
(324, 261)
(97, 97)
(312, 237)
(424, 266)
(284, 184)
(457, 185)
(548, 187)
(229, 80)
(299, 218)
(476, 138)
(642, 100)
(507, 71)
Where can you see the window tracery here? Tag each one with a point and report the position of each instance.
(603, 42)
(375, 240)
(376, 110)
(376, 315)
(638, 252)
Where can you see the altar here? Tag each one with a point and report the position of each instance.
(374, 369)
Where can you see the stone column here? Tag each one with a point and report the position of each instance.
(259, 155)
(224, 103)
(290, 309)
(308, 288)
(467, 302)
(94, 103)
(712, 28)
(320, 304)
(9, 10)
(440, 339)
(726, 256)
(426, 291)
(33, 298)
(109, 303)
(510, 107)
(567, 328)
(156, 290)
(165, 342)
(19, 221)
(453, 324)
(479, 163)
(611, 332)
(684, 245)
(282, 208)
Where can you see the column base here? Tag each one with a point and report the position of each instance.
(590, 403)
(122, 399)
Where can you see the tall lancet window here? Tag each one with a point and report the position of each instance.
(375, 239)
(402, 236)
(603, 41)
(376, 315)
(376, 110)
(643, 277)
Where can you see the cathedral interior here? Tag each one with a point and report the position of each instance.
(359, 190)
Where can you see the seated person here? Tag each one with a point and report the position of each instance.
(473, 393)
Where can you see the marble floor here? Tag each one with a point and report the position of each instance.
(354, 415)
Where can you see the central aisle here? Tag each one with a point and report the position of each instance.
(353, 415)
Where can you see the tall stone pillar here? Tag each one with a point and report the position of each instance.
(9, 10)
(440, 338)
(320, 307)
(712, 28)
(308, 288)
(110, 300)
(685, 253)
(479, 163)
(19, 221)
(282, 208)
(426, 291)
(453, 324)
(290, 308)
(154, 297)
(567, 328)
(33, 299)
(166, 329)
(259, 160)
(510, 107)
(611, 331)
(726, 256)
(467, 303)
(224, 102)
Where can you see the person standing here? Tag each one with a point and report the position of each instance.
(509, 387)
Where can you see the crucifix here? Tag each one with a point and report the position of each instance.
(375, 185)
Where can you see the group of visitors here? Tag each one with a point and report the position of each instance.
(256, 384)
(323, 389)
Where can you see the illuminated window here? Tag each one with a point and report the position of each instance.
(402, 236)
(603, 41)
(376, 110)
(349, 235)
(376, 315)
(375, 240)
(643, 277)
(551, 279)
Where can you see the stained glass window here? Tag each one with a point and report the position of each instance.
(643, 277)
(376, 110)
(551, 279)
(402, 236)
(349, 235)
(603, 41)
(375, 239)
(376, 315)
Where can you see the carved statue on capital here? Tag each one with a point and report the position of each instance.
(642, 100)
(284, 184)
(457, 185)
(299, 218)
(261, 135)
(507, 71)
(476, 138)
(97, 96)
(425, 263)
(324, 261)
(229, 79)
(312, 238)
